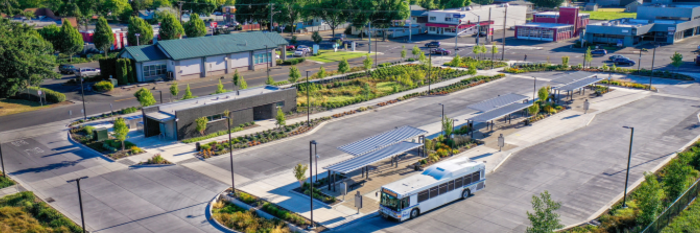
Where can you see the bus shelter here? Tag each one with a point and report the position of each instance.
(506, 112)
(572, 87)
(374, 149)
(497, 102)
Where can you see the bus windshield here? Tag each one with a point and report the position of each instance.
(390, 202)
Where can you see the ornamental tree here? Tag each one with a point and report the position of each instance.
(188, 93)
(71, 40)
(544, 219)
(201, 124)
(280, 118)
(174, 90)
(299, 172)
(145, 97)
(120, 130)
(367, 62)
(343, 66)
(103, 37)
(195, 27)
(170, 27)
(220, 88)
(294, 74)
(140, 26)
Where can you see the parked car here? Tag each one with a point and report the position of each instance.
(304, 47)
(67, 69)
(624, 61)
(440, 51)
(599, 52)
(435, 44)
(300, 52)
(87, 72)
(291, 48)
(614, 57)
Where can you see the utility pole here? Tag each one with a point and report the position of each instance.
(2, 163)
(82, 93)
(270, 16)
(179, 3)
(652, 66)
(639, 65)
(503, 52)
(478, 28)
(488, 30)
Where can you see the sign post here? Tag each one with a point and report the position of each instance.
(41, 102)
(358, 201)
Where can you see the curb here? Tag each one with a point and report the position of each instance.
(210, 216)
(90, 149)
(152, 165)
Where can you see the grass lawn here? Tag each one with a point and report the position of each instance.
(289, 53)
(330, 56)
(14, 106)
(610, 14)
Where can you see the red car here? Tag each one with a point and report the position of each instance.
(291, 48)
(440, 51)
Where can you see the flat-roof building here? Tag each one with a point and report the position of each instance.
(489, 17)
(554, 26)
(177, 120)
(664, 22)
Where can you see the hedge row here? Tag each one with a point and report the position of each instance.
(51, 95)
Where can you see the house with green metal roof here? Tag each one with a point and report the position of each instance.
(199, 57)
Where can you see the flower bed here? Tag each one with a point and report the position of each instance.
(318, 194)
(156, 160)
(467, 62)
(241, 127)
(242, 220)
(110, 147)
(344, 113)
(24, 212)
(442, 147)
(270, 208)
(614, 69)
(630, 84)
(107, 115)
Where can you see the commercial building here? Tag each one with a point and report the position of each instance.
(192, 58)
(177, 120)
(665, 22)
(489, 17)
(554, 26)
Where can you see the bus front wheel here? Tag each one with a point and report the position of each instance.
(415, 213)
(465, 194)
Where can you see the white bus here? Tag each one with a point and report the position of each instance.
(438, 185)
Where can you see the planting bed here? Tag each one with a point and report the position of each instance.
(110, 147)
(233, 216)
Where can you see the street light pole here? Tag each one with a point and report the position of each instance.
(82, 93)
(369, 36)
(534, 89)
(138, 38)
(652, 66)
(430, 62)
(311, 184)
(639, 66)
(230, 152)
(503, 50)
(2, 163)
(376, 51)
(161, 96)
(80, 200)
(629, 158)
(308, 101)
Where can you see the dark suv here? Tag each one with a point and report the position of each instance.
(435, 44)
(67, 69)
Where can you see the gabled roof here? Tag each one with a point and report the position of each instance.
(221, 44)
(145, 53)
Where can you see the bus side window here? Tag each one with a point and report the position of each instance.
(423, 196)
(443, 188)
(458, 182)
(476, 177)
(404, 203)
(433, 192)
(450, 185)
(467, 180)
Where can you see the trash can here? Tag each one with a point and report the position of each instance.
(197, 147)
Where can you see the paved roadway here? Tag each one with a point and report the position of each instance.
(116, 198)
(584, 170)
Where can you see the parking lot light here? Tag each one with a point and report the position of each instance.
(629, 158)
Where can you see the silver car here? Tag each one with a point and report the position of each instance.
(87, 72)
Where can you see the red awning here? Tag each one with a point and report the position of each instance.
(440, 25)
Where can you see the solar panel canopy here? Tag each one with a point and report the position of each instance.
(358, 162)
(381, 140)
(497, 102)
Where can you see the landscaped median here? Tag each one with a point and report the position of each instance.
(524, 68)
(103, 142)
(24, 212)
(244, 212)
(5, 181)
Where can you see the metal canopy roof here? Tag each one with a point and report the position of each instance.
(579, 84)
(494, 103)
(382, 140)
(572, 77)
(160, 116)
(499, 112)
(358, 162)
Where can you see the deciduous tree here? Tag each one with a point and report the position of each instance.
(52, 34)
(188, 93)
(587, 58)
(138, 25)
(415, 51)
(677, 178)
(174, 90)
(565, 61)
(316, 37)
(170, 27)
(120, 130)
(544, 219)
(202, 7)
(343, 66)
(201, 125)
(280, 118)
(333, 12)
(294, 74)
(195, 27)
(290, 11)
(299, 172)
(220, 88)
(367, 62)
(103, 37)
(648, 197)
(321, 72)
(547, 3)
(676, 60)
(145, 97)
(71, 40)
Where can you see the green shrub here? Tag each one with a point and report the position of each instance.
(88, 129)
(51, 96)
(104, 86)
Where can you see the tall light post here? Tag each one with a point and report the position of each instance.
(410, 22)
(2, 163)
(370, 35)
(80, 200)
(230, 152)
(138, 38)
(534, 89)
(266, 54)
(430, 62)
(82, 93)
(652, 65)
(629, 158)
(161, 95)
(442, 117)
(505, 13)
(308, 101)
(312, 144)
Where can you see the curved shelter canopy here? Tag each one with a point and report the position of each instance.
(499, 112)
(581, 83)
(358, 162)
(381, 140)
(497, 102)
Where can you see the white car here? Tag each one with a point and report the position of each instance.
(87, 72)
(299, 52)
